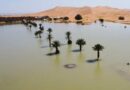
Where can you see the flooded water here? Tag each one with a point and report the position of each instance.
(24, 64)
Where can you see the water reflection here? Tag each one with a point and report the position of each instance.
(81, 57)
(76, 50)
(40, 42)
(98, 70)
(69, 54)
(57, 60)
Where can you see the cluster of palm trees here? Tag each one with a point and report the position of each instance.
(29, 23)
(80, 42)
(40, 31)
(64, 19)
(56, 44)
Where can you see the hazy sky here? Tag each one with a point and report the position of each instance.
(24, 6)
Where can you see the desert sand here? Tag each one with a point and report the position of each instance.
(89, 14)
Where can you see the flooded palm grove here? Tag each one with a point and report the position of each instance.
(28, 63)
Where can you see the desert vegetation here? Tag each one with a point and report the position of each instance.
(80, 43)
(78, 18)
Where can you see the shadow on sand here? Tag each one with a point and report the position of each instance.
(92, 60)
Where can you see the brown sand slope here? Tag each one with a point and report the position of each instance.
(111, 14)
(89, 14)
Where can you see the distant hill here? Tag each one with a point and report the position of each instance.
(89, 14)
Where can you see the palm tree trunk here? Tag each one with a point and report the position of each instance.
(80, 47)
(57, 51)
(98, 55)
(68, 37)
(49, 43)
(39, 35)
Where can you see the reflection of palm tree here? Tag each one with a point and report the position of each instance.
(49, 39)
(49, 30)
(56, 44)
(69, 54)
(81, 57)
(40, 42)
(80, 42)
(68, 37)
(98, 69)
(69, 48)
(98, 48)
(57, 60)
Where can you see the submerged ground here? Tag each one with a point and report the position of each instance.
(24, 64)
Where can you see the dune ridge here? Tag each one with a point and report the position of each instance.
(89, 14)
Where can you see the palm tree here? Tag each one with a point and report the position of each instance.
(78, 17)
(121, 18)
(98, 48)
(68, 37)
(49, 30)
(49, 39)
(38, 33)
(56, 44)
(41, 27)
(101, 20)
(66, 19)
(80, 42)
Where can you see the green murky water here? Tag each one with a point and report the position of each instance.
(24, 64)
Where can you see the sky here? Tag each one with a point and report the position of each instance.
(28, 6)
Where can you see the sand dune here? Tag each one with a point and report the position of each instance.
(89, 14)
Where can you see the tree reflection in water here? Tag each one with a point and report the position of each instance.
(98, 70)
